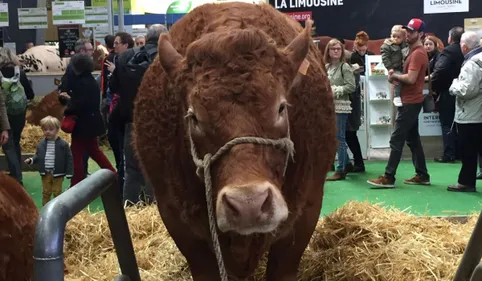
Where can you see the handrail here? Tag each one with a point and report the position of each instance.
(50, 231)
(472, 255)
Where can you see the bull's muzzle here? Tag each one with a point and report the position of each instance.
(252, 208)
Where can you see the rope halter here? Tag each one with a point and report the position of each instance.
(204, 170)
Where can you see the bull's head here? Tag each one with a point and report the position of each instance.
(238, 83)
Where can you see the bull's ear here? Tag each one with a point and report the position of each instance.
(297, 50)
(168, 56)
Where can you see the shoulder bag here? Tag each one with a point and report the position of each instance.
(429, 101)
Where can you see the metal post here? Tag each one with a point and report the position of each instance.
(121, 15)
(477, 275)
(119, 230)
(472, 254)
(110, 12)
(49, 235)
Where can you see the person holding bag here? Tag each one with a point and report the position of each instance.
(83, 116)
(342, 81)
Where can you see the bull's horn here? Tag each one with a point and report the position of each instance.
(168, 56)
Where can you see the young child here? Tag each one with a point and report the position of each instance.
(394, 51)
(53, 159)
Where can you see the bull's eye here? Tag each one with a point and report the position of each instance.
(194, 118)
(282, 108)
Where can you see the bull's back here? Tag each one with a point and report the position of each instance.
(211, 17)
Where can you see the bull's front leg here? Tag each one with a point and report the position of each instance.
(202, 262)
(285, 255)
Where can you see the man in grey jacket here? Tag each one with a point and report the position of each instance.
(467, 89)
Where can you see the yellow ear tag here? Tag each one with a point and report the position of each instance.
(304, 67)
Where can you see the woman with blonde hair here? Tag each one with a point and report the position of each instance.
(16, 90)
(342, 81)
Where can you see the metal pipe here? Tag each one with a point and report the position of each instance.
(121, 15)
(119, 229)
(472, 254)
(477, 275)
(49, 235)
(110, 12)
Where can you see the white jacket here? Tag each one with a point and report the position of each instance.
(467, 89)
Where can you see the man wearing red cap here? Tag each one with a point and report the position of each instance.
(406, 124)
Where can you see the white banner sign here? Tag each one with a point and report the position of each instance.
(96, 16)
(445, 6)
(3, 14)
(32, 18)
(68, 12)
(429, 124)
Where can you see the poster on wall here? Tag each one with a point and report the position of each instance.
(126, 3)
(176, 6)
(32, 18)
(3, 14)
(68, 12)
(68, 35)
(445, 6)
(301, 16)
(96, 16)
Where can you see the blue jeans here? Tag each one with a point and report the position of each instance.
(341, 122)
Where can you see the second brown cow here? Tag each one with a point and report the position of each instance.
(236, 71)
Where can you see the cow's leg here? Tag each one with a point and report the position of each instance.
(285, 255)
(201, 260)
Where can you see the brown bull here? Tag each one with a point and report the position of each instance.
(230, 71)
(18, 219)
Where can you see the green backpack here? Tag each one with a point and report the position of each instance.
(15, 99)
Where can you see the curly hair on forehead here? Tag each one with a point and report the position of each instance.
(225, 47)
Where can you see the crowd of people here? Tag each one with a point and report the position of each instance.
(412, 59)
(95, 107)
(102, 106)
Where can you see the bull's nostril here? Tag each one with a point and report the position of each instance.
(266, 207)
(230, 206)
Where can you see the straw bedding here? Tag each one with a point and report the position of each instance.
(31, 136)
(359, 241)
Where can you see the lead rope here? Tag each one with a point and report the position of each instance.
(284, 143)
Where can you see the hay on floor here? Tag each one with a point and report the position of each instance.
(359, 241)
(32, 135)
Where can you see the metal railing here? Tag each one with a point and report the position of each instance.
(50, 231)
(470, 268)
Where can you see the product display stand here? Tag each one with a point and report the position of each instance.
(379, 103)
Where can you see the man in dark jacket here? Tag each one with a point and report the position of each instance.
(125, 85)
(446, 70)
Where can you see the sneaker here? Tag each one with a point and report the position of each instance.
(397, 101)
(337, 176)
(382, 182)
(417, 180)
(444, 159)
(461, 188)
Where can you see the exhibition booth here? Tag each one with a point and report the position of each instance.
(378, 113)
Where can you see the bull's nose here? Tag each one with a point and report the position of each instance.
(250, 207)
